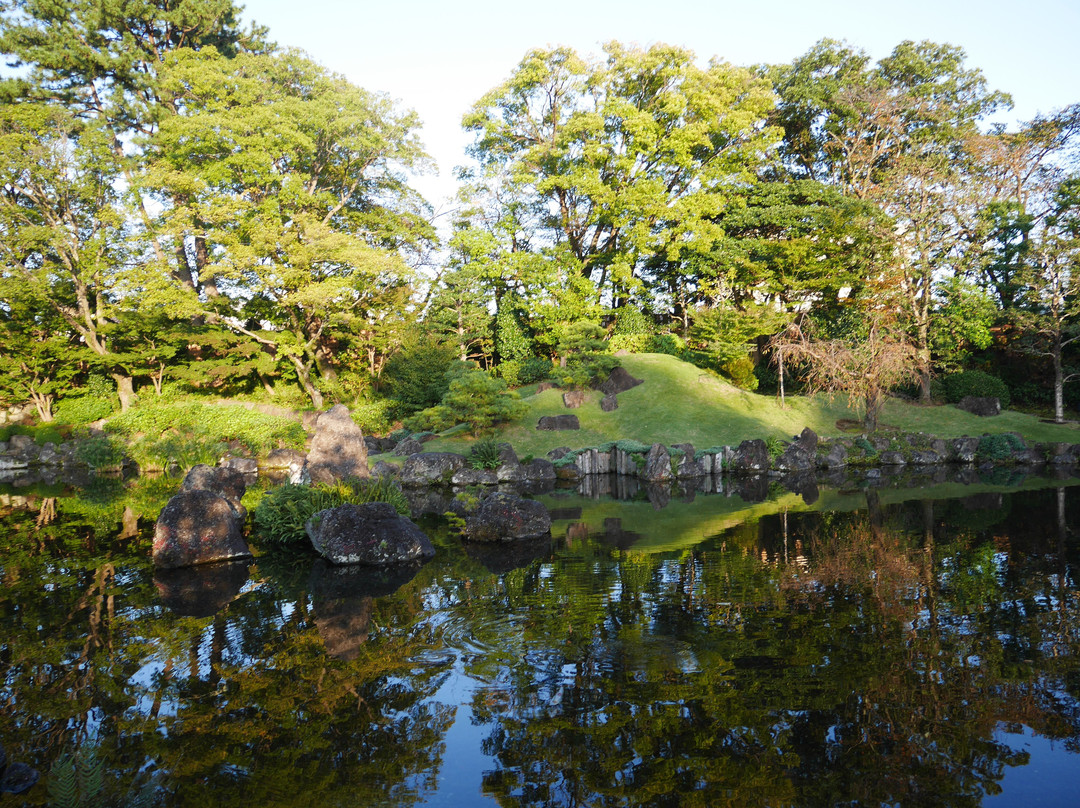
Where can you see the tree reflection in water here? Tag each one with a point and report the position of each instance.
(867, 657)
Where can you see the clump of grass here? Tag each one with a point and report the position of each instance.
(283, 512)
(484, 454)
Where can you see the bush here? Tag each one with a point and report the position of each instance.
(99, 452)
(282, 513)
(82, 410)
(998, 447)
(416, 376)
(975, 383)
(374, 417)
(740, 371)
(474, 398)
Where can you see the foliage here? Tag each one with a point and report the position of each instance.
(374, 416)
(484, 454)
(418, 376)
(474, 398)
(82, 410)
(520, 372)
(864, 367)
(998, 447)
(99, 451)
(741, 371)
(281, 514)
(512, 343)
(956, 386)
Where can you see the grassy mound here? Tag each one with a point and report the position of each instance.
(681, 403)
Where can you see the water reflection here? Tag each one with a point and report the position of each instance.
(872, 646)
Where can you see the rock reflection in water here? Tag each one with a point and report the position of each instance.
(501, 557)
(203, 590)
(343, 597)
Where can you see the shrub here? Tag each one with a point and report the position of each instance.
(82, 410)
(484, 454)
(774, 446)
(283, 512)
(974, 383)
(99, 452)
(998, 447)
(474, 398)
(741, 372)
(416, 376)
(374, 417)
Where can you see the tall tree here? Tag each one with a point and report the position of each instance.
(624, 160)
(298, 182)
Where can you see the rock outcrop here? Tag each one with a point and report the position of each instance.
(431, 468)
(338, 451)
(204, 522)
(373, 534)
(558, 422)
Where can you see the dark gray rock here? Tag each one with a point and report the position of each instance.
(338, 451)
(808, 440)
(572, 399)
(834, 457)
(384, 469)
(657, 464)
(984, 406)
(18, 778)
(962, 450)
(431, 468)
(619, 381)
(797, 456)
(540, 388)
(408, 447)
(609, 403)
(559, 452)
(505, 517)
(558, 422)
(373, 534)
(471, 476)
(379, 445)
(198, 527)
(225, 482)
(751, 457)
(892, 458)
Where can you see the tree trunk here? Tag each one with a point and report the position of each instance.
(1059, 382)
(43, 404)
(125, 388)
(303, 374)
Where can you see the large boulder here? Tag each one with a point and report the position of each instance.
(657, 464)
(572, 399)
(506, 517)
(984, 406)
(751, 457)
(431, 468)
(198, 527)
(338, 450)
(373, 534)
(558, 422)
(609, 403)
(618, 381)
(225, 482)
(537, 470)
(285, 458)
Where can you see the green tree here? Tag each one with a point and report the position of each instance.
(621, 161)
(298, 178)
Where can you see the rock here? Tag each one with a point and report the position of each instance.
(224, 482)
(21, 444)
(18, 778)
(507, 455)
(407, 447)
(568, 473)
(373, 534)
(384, 469)
(49, 454)
(198, 527)
(558, 422)
(538, 470)
(503, 557)
(509, 473)
(290, 459)
(201, 591)
(572, 399)
(797, 456)
(244, 465)
(962, 450)
(619, 381)
(471, 476)
(750, 457)
(506, 517)
(984, 406)
(892, 459)
(609, 403)
(559, 453)
(427, 468)
(379, 445)
(808, 439)
(338, 451)
(657, 464)
(540, 388)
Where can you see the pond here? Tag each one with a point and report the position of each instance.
(880, 646)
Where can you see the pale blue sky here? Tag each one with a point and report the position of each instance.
(439, 57)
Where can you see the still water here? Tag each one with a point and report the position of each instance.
(891, 647)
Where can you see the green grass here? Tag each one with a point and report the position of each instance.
(681, 403)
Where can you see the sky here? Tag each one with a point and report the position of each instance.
(438, 57)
